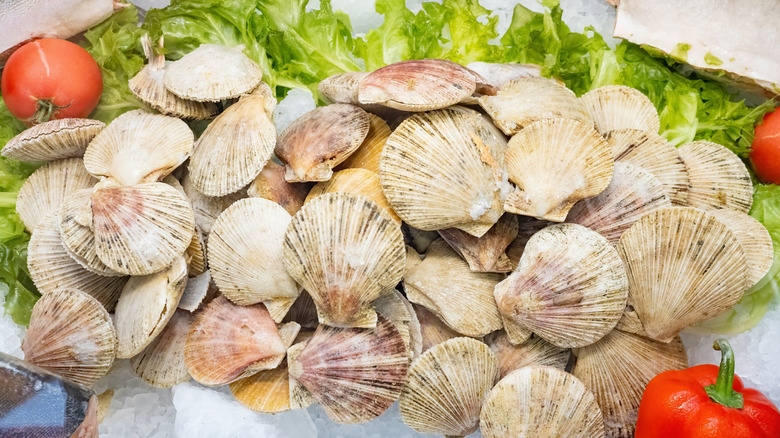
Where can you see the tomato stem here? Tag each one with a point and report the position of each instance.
(722, 391)
(45, 109)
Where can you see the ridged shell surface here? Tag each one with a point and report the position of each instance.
(718, 178)
(74, 221)
(161, 364)
(369, 153)
(342, 87)
(754, 239)
(619, 107)
(357, 181)
(486, 253)
(53, 140)
(270, 184)
(533, 352)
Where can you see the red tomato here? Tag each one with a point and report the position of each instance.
(51, 79)
(765, 153)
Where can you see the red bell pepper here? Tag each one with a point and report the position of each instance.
(706, 402)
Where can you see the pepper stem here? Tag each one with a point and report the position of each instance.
(722, 391)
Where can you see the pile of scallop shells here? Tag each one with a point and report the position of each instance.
(483, 249)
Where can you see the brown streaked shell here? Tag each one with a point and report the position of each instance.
(754, 239)
(630, 322)
(161, 364)
(575, 153)
(346, 251)
(356, 374)
(70, 334)
(196, 254)
(300, 397)
(45, 190)
(212, 73)
(75, 226)
(342, 87)
(684, 266)
(533, 352)
(356, 181)
(486, 253)
(570, 287)
(228, 342)
(433, 330)
(527, 227)
(632, 193)
(270, 184)
(618, 368)
(53, 140)
(207, 208)
(233, 149)
(146, 305)
(398, 310)
(368, 154)
(524, 101)
(445, 285)
(718, 178)
(141, 229)
(319, 140)
(418, 85)
(540, 401)
(619, 107)
(303, 311)
(447, 386)
(139, 147)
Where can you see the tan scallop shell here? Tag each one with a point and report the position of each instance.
(234, 148)
(75, 226)
(630, 322)
(398, 310)
(368, 154)
(245, 252)
(207, 208)
(684, 266)
(212, 73)
(433, 330)
(418, 85)
(51, 268)
(139, 147)
(53, 140)
(199, 291)
(141, 229)
(541, 402)
(71, 335)
(161, 364)
(754, 239)
(444, 284)
(527, 227)
(651, 152)
(570, 287)
(618, 368)
(718, 178)
(632, 193)
(356, 181)
(149, 88)
(270, 184)
(45, 190)
(533, 352)
(356, 374)
(498, 74)
(196, 254)
(447, 386)
(146, 305)
(442, 169)
(575, 153)
(346, 251)
(342, 87)
(300, 397)
(303, 311)
(524, 101)
(619, 107)
(486, 253)
(228, 342)
(319, 140)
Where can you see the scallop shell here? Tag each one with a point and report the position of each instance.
(70, 334)
(356, 374)
(141, 229)
(754, 239)
(524, 101)
(433, 331)
(161, 364)
(651, 152)
(149, 88)
(418, 85)
(342, 87)
(719, 179)
(245, 252)
(212, 73)
(270, 184)
(541, 402)
(207, 208)
(442, 169)
(355, 181)
(498, 75)
(399, 311)
(619, 107)
(196, 254)
(447, 386)
(44, 191)
(576, 154)
(197, 292)
(618, 368)
(630, 322)
(74, 221)
(53, 140)
(570, 287)
(229, 342)
(303, 311)
(51, 268)
(234, 148)
(368, 154)
(632, 193)
(300, 397)
(418, 240)
(146, 305)
(684, 266)
(486, 253)
(139, 147)
(533, 352)
(527, 227)
(319, 140)
(444, 284)
(346, 251)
